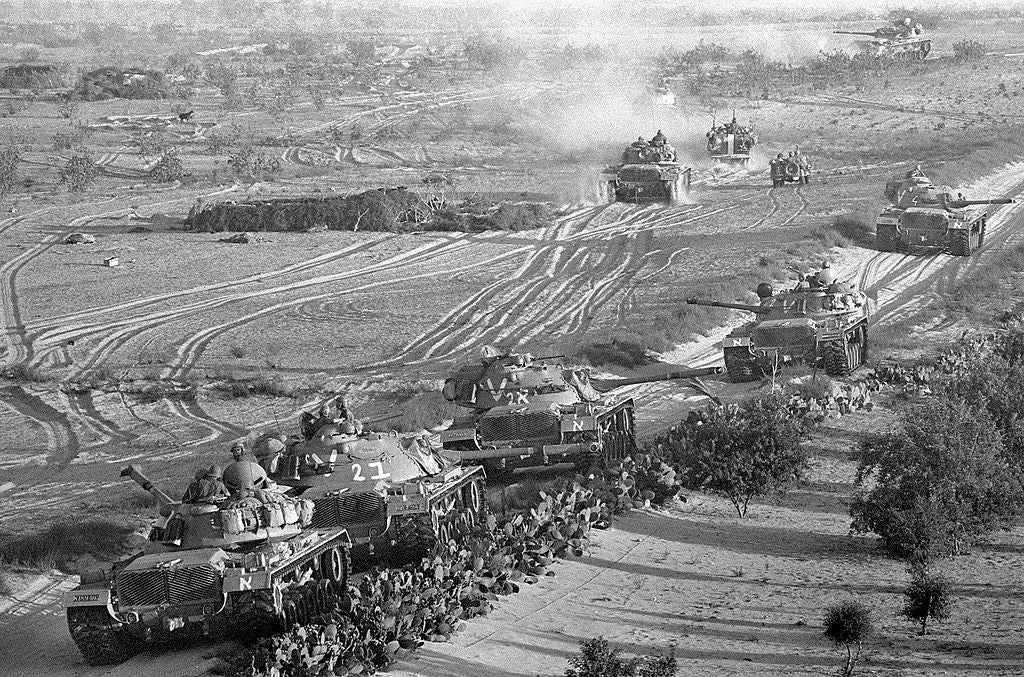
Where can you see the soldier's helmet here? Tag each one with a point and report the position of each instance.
(214, 472)
(243, 475)
(273, 446)
(906, 22)
(779, 156)
(201, 473)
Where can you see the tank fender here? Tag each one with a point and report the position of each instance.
(736, 342)
(239, 581)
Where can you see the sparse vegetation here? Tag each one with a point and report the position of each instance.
(269, 386)
(597, 658)
(249, 163)
(849, 624)
(10, 158)
(62, 542)
(25, 373)
(169, 168)
(79, 173)
(969, 50)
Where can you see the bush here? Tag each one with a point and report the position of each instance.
(270, 386)
(597, 659)
(25, 373)
(848, 624)
(742, 453)
(251, 164)
(169, 168)
(64, 541)
(938, 481)
(927, 596)
(79, 173)
(969, 50)
(121, 83)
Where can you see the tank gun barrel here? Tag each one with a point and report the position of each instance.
(871, 34)
(143, 481)
(725, 304)
(612, 383)
(968, 203)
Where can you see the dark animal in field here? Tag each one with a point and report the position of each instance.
(185, 117)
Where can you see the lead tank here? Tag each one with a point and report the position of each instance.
(900, 41)
(648, 171)
(820, 322)
(393, 492)
(244, 565)
(526, 411)
(920, 214)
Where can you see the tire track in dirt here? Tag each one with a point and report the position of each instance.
(62, 442)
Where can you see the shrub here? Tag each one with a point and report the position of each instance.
(221, 76)
(10, 157)
(79, 173)
(25, 373)
(597, 659)
(63, 541)
(742, 453)
(249, 163)
(848, 624)
(169, 168)
(939, 482)
(829, 236)
(5, 586)
(270, 386)
(969, 50)
(928, 596)
(67, 108)
(121, 83)
(424, 410)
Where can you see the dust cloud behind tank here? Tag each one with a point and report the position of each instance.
(902, 41)
(923, 215)
(393, 492)
(820, 322)
(525, 411)
(647, 171)
(236, 562)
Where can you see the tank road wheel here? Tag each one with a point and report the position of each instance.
(101, 639)
(960, 243)
(335, 566)
(258, 614)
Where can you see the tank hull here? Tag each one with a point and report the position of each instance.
(653, 182)
(960, 234)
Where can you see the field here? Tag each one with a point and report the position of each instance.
(386, 316)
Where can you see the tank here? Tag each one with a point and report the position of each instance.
(820, 322)
(244, 564)
(794, 168)
(648, 171)
(525, 411)
(394, 493)
(921, 215)
(900, 41)
(731, 143)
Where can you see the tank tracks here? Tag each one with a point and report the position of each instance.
(100, 638)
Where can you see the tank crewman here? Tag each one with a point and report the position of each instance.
(207, 487)
(240, 453)
(826, 276)
(659, 140)
(271, 452)
(640, 142)
(243, 478)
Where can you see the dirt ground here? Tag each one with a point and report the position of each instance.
(371, 313)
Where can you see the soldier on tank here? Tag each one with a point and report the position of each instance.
(659, 140)
(207, 487)
(244, 478)
(826, 276)
(271, 452)
(240, 453)
(640, 142)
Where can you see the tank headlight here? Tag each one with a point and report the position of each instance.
(131, 617)
(207, 610)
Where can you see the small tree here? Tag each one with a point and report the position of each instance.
(743, 453)
(938, 482)
(79, 173)
(249, 163)
(848, 624)
(928, 596)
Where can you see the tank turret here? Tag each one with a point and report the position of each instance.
(759, 310)
(526, 411)
(244, 563)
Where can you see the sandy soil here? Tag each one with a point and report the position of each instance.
(362, 311)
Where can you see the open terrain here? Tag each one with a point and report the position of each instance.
(384, 316)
